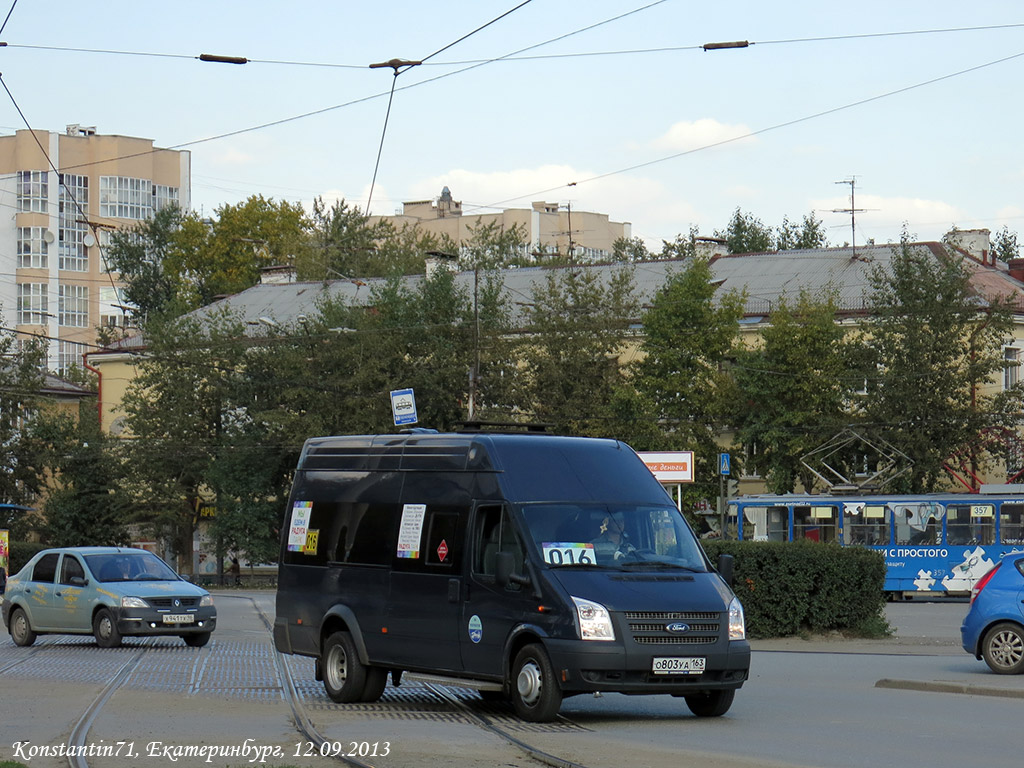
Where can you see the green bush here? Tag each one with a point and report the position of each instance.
(791, 588)
(21, 553)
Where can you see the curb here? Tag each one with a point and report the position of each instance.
(944, 687)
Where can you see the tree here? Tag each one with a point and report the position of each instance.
(82, 507)
(631, 249)
(935, 345)
(810, 233)
(148, 257)
(23, 451)
(688, 334)
(577, 328)
(794, 389)
(175, 410)
(1005, 246)
(177, 262)
(745, 233)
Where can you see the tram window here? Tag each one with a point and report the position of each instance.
(1011, 523)
(967, 525)
(918, 524)
(865, 524)
(817, 523)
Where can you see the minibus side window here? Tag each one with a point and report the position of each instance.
(442, 539)
(494, 533)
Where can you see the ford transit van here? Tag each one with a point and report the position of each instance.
(527, 566)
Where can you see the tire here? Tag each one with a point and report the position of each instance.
(376, 682)
(710, 703)
(1003, 648)
(535, 692)
(104, 629)
(20, 629)
(344, 674)
(197, 640)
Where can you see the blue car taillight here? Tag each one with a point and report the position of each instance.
(980, 585)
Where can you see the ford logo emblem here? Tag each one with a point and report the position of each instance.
(678, 627)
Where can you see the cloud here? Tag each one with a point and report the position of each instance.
(233, 157)
(882, 218)
(706, 132)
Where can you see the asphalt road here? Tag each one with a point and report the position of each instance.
(822, 702)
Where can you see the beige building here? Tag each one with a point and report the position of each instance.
(589, 236)
(52, 246)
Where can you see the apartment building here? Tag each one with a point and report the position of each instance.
(55, 226)
(585, 235)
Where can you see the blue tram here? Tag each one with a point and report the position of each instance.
(933, 543)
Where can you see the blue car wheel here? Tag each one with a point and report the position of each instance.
(1003, 648)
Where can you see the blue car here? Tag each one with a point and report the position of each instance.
(108, 592)
(994, 626)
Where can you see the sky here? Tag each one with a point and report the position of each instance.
(610, 106)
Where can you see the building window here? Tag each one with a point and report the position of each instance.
(69, 354)
(33, 191)
(32, 304)
(74, 199)
(32, 248)
(73, 310)
(1011, 367)
(122, 197)
(114, 311)
(164, 196)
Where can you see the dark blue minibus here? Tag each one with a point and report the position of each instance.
(527, 566)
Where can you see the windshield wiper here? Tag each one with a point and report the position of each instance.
(660, 564)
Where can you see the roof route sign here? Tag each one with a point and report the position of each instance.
(403, 407)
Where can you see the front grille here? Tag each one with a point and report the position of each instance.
(661, 627)
(673, 640)
(651, 627)
(672, 615)
(168, 602)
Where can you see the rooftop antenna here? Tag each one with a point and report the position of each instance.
(853, 210)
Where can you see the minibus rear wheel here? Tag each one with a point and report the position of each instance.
(344, 674)
(535, 692)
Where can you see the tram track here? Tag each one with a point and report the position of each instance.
(443, 693)
(78, 739)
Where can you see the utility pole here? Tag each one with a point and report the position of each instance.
(474, 374)
(853, 210)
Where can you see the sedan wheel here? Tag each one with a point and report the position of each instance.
(21, 631)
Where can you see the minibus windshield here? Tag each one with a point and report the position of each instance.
(612, 535)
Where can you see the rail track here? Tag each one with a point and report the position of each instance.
(193, 673)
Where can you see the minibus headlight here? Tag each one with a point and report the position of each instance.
(737, 626)
(595, 622)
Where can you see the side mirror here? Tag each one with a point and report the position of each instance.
(504, 563)
(79, 581)
(725, 568)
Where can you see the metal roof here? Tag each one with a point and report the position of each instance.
(766, 277)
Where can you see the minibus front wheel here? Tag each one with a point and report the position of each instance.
(344, 674)
(535, 692)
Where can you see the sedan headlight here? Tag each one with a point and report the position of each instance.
(205, 601)
(737, 626)
(595, 622)
(133, 602)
